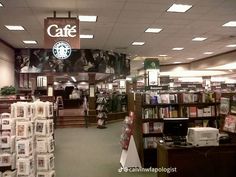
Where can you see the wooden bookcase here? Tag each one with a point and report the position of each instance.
(150, 123)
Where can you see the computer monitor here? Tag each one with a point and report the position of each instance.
(176, 129)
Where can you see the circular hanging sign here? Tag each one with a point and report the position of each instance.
(61, 50)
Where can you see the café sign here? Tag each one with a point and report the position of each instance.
(61, 29)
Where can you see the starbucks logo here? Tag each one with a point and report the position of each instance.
(61, 50)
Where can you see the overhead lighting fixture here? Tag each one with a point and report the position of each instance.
(190, 58)
(179, 8)
(199, 39)
(178, 48)
(162, 55)
(177, 62)
(208, 53)
(83, 83)
(138, 43)
(227, 66)
(153, 30)
(231, 45)
(230, 24)
(87, 18)
(15, 27)
(86, 36)
(30, 42)
(73, 78)
(1, 5)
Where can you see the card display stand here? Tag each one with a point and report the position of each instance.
(28, 143)
(101, 111)
(7, 145)
(129, 156)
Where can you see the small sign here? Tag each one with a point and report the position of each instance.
(166, 87)
(191, 86)
(61, 50)
(151, 63)
(61, 29)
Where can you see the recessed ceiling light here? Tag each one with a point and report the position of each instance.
(87, 18)
(227, 66)
(178, 48)
(230, 24)
(231, 45)
(208, 53)
(153, 30)
(190, 58)
(162, 55)
(1, 5)
(199, 39)
(30, 42)
(86, 36)
(179, 8)
(138, 43)
(15, 27)
(177, 62)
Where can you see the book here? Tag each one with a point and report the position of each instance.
(192, 111)
(224, 105)
(158, 127)
(233, 105)
(230, 124)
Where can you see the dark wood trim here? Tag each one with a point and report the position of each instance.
(7, 44)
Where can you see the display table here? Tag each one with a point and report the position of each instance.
(218, 161)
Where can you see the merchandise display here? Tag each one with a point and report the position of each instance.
(27, 140)
(102, 102)
(127, 130)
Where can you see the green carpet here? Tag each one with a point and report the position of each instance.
(91, 152)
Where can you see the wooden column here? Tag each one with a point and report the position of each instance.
(92, 96)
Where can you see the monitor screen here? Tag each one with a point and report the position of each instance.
(175, 127)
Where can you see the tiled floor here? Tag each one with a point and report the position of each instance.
(91, 152)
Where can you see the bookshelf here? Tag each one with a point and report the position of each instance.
(202, 109)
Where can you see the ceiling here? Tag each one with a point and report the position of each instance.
(121, 22)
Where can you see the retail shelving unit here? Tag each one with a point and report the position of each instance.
(201, 108)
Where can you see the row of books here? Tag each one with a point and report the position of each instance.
(185, 111)
(154, 98)
(194, 111)
(165, 112)
(200, 97)
(153, 127)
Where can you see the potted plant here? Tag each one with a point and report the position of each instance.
(8, 92)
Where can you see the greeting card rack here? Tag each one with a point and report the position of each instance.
(33, 145)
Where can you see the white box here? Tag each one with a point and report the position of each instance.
(203, 136)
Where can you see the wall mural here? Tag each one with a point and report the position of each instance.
(83, 60)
